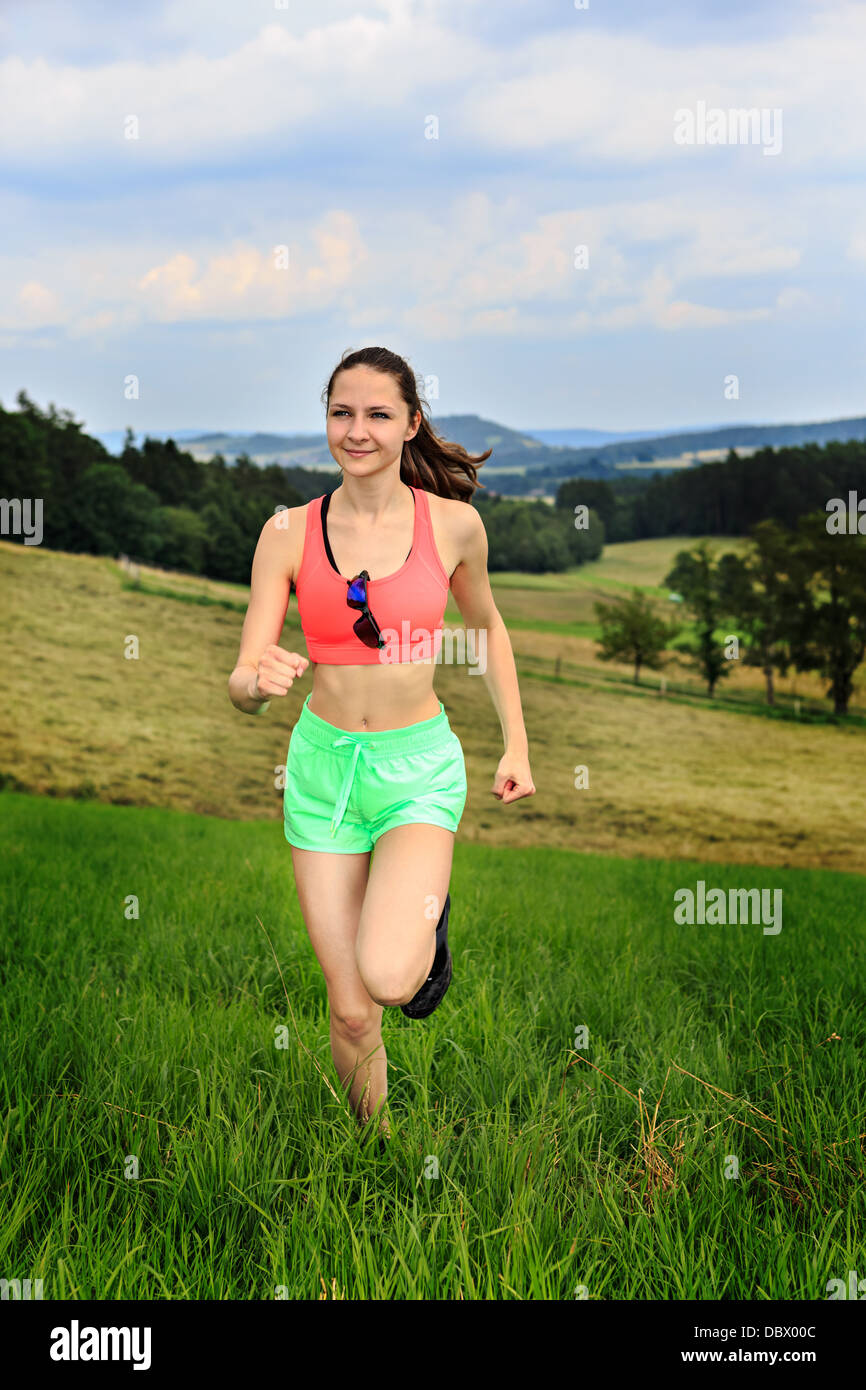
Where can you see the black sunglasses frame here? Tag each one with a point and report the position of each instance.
(366, 626)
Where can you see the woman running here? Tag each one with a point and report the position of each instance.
(373, 761)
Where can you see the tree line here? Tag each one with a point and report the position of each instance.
(723, 498)
(159, 505)
(796, 599)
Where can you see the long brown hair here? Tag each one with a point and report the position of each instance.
(430, 462)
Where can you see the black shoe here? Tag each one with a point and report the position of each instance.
(432, 992)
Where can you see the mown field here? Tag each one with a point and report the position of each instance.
(173, 1127)
(669, 776)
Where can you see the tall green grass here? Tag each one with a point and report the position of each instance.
(155, 1038)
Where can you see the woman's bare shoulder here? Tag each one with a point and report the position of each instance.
(452, 511)
(460, 521)
(456, 526)
(282, 536)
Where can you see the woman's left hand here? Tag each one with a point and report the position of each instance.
(513, 778)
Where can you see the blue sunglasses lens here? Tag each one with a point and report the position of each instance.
(358, 590)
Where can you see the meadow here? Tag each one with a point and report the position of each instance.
(607, 1105)
(173, 1129)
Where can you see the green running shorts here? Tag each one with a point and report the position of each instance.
(343, 789)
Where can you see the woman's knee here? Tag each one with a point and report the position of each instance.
(388, 983)
(353, 1023)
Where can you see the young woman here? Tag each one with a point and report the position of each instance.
(373, 761)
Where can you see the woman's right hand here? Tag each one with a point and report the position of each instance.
(277, 671)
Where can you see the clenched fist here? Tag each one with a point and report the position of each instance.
(277, 671)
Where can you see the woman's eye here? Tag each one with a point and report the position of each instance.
(384, 414)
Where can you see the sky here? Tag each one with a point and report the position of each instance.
(215, 201)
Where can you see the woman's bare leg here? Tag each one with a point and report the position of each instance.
(372, 926)
(330, 891)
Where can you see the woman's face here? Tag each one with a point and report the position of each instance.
(368, 421)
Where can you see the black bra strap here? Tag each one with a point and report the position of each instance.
(326, 502)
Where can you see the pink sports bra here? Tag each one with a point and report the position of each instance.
(408, 605)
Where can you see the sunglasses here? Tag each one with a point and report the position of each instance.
(366, 626)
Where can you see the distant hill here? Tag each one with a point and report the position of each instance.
(593, 439)
(672, 446)
(113, 439)
(522, 464)
(311, 450)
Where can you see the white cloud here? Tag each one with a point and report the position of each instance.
(856, 248)
(249, 282)
(230, 283)
(480, 265)
(577, 94)
(792, 297)
(273, 85)
(655, 305)
(37, 304)
(591, 95)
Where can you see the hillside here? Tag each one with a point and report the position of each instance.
(673, 777)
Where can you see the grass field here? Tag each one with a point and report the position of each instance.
(174, 1127)
(672, 777)
(159, 1143)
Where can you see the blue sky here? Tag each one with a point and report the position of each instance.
(305, 127)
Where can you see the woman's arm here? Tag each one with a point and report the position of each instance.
(470, 586)
(263, 669)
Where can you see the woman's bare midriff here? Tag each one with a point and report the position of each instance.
(370, 699)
